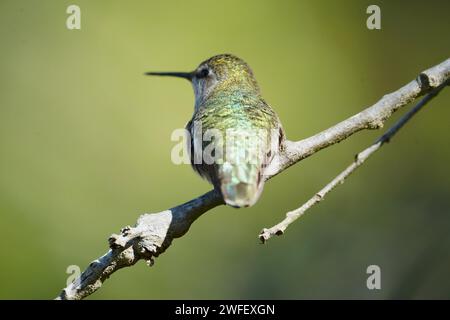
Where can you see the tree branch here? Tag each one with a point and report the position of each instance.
(360, 158)
(154, 233)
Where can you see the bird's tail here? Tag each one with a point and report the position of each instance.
(241, 176)
(240, 184)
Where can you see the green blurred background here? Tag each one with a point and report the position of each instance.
(85, 148)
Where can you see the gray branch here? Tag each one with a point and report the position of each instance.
(153, 233)
(360, 158)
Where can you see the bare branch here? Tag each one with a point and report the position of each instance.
(360, 158)
(150, 237)
(154, 233)
(370, 118)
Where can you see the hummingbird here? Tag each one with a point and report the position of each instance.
(228, 100)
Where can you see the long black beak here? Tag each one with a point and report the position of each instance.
(185, 75)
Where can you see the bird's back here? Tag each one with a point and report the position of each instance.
(238, 128)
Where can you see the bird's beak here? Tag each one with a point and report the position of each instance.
(185, 75)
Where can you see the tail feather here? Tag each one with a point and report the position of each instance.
(241, 194)
(240, 185)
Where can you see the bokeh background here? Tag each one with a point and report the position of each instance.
(85, 148)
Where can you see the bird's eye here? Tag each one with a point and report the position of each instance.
(202, 73)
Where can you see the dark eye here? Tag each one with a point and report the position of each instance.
(202, 73)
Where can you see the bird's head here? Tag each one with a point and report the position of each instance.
(220, 73)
